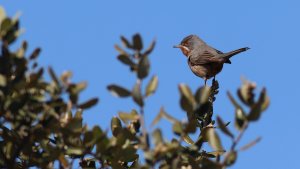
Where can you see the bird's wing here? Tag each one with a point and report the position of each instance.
(205, 57)
(219, 52)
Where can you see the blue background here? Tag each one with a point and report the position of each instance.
(79, 36)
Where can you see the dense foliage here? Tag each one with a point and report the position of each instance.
(41, 121)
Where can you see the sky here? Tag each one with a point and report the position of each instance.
(80, 37)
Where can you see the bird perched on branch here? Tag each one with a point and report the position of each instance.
(205, 61)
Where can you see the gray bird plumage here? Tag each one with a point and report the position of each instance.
(204, 60)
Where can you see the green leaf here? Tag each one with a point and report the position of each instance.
(260, 106)
(137, 42)
(88, 104)
(213, 139)
(223, 127)
(2, 80)
(230, 158)
(187, 99)
(143, 67)
(152, 86)
(6, 24)
(136, 94)
(118, 91)
(116, 126)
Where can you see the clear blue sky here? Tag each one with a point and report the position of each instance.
(79, 36)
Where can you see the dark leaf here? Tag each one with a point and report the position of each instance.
(53, 76)
(126, 60)
(35, 54)
(137, 42)
(246, 93)
(126, 42)
(260, 106)
(223, 127)
(143, 67)
(150, 48)
(88, 104)
(116, 126)
(118, 91)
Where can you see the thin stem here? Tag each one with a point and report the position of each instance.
(238, 138)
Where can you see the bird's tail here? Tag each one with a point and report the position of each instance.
(228, 55)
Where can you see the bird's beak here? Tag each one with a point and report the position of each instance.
(177, 46)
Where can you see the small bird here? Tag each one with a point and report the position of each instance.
(205, 61)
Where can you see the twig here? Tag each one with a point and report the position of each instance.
(238, 138)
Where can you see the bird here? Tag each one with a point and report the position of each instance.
(205, 61)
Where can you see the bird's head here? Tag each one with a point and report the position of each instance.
(189, 43)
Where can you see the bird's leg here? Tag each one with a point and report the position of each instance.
(214, 79)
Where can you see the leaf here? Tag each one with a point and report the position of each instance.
(88, 104)
(240, 118)
(137, 42)
(21, 51)
(2, 79)
(177, 128)
(152, 86)
(246, 94)
(35, 54)
(230, 158)
(260, 106)
(74, 151)
(157, 137)
(126, 60)
(213, 139)
(187, 99)
(251, 144)
(53, 76)
(233, 101)
(118, 91)
(202, 94)
(150, 48)
(223, 127)
(126, 117)
(136, 94)
(120, 50)
(143, 67)
(126, 42)
(2, 14)
(116, 126)
(188, 139)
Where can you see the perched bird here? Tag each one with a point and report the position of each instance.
(205, 61)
